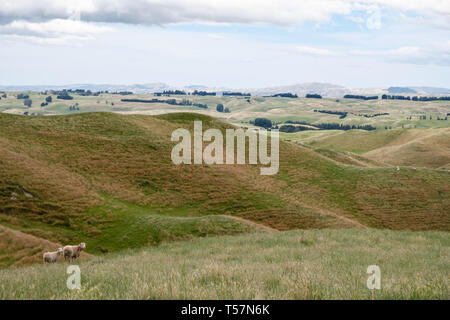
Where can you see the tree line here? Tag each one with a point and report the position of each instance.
(325, 126)
(174, 102)
(203, 93)
(226, 93)
(341, 114)
(282, 95)
(352, 96)
(313, 95)
(414, 98)
(169, 92)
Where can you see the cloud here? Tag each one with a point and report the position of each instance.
(435, 54)
(56, 31)
(57, 21)
(315, 51)
(157, 12)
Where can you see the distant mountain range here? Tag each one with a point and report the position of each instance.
(301, 89)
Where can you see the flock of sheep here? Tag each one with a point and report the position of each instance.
(70, 253)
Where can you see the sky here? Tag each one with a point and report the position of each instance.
(225, 43)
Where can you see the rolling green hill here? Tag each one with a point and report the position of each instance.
(428, 148)
(107, 179)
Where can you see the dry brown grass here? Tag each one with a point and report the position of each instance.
(73, 164)
(18, 248)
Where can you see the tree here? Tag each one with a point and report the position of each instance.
(227, 110)
(263, 122)
(219, 107)
(22, 96)
(27, 102)
(48, 99)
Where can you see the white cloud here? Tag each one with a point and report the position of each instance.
(435, 54)
(56, 31)
(55, 20)
(314, 51)
(157, 12)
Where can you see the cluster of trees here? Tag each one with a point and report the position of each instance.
(283, 95)
(203, 93)
(26, 113)
(324, 126)
(47, 101)
(75, 107)
(83, 92)
(122, 93)
(313, 95)
(22, 96)
(169, 92)
(352, 96)
(341, 114)
(64, 96)
(372, 115)
(236, 94)
(396, 97)
(4, 95)
(174, 102)
(424, 117)
(415, 98)
(27, 102)
(262, 122)
(80, 92)
(220, 108)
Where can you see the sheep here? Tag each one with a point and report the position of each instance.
(52, 257)
(73, 252)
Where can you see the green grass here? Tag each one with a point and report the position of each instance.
(128, 225)
(99, 176)
(358, 141)
(310, 264)
(277, 109)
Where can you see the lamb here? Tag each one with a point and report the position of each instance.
(52, 257)
(73, 252)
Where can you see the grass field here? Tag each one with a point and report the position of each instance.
(108, 179)
(341, 201)
(308, 264)
(276, 109)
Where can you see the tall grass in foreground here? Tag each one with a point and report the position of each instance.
(311, 264)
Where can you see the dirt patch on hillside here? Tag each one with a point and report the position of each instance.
(18, 248)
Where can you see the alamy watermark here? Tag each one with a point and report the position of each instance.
(74, 280)
(213, 153)
(374, 280)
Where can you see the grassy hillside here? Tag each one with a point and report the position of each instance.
(428, 148)
(400, 113)
(311, 264)
(107, 179)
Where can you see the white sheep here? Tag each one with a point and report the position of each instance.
(52, 257)
(73, 252)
